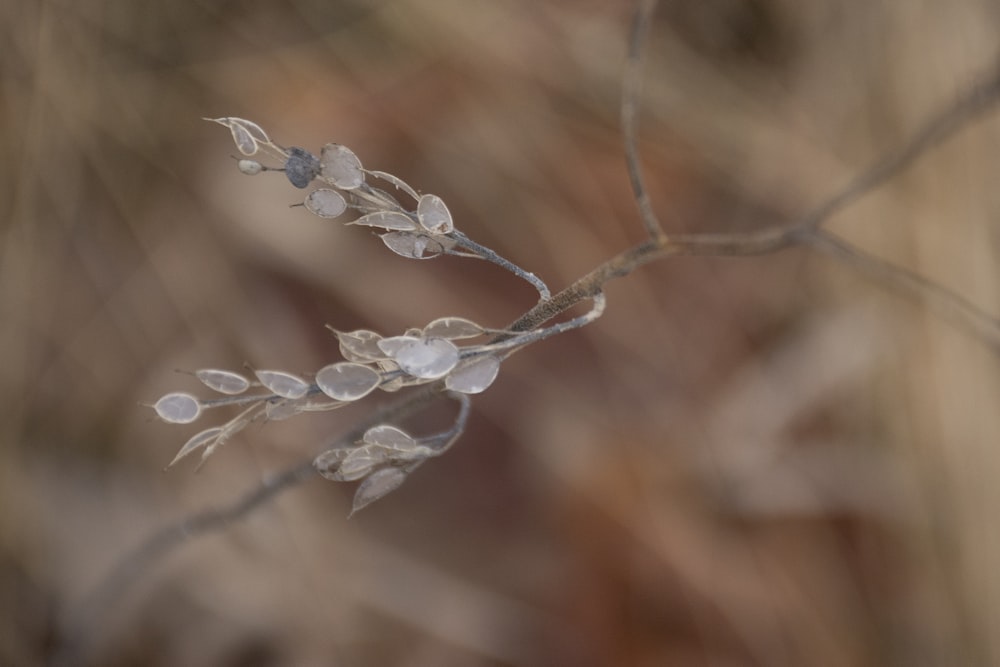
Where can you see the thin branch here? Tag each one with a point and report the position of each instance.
(482, 252)
(981, 98)
(631, 97)
(950, 304)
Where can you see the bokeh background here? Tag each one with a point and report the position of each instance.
(755, 461)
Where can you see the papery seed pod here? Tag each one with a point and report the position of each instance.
(178, 408)
(389, 220)
(325, 203)
(360, 345)
(434, 215)
(392, 344)
(224, 382)
(398, 182)
(197, 441)
(279, 410)
(341, 166)
(389, 437)
(414, 245)
(283, 384)
(359, 462)
(377, 485)
(301, 167)
(475, 376)
(453, 328)
(346, 381)
(427, 358)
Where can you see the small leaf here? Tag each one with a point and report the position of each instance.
(414, 245)
(427, 358)
(398, 182)
(434, 215)
(346, 381)
(360, 345)
(326, 203)
(283, 384)
(178, 408)
(377, 485)
(341, 167)
(199, 440)
(390, 220)
(224, 382)
(474, 377)
(453, 328)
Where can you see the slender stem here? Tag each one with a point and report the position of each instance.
(483, 252)
(631, 97)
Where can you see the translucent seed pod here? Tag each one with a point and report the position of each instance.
(360, 345)
(427, 358)
(197, 441)
(340, 166)
(377, 485)
(434, 215)
(388, 220)
(283, 384)
(474, 377)
(393, 344)
(413, 245)
(326, 203)
(178, 408)
(398, 182)
(453, 328)
(346, 381)
(389, 437)
(224, 382)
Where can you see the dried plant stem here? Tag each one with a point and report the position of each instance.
(805, 232)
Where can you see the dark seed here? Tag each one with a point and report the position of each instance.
(302, 167)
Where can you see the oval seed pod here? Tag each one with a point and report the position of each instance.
(301, 167)
(391, 345)
(453, 328)
(325, 203)
(178, 408)
(249, 167)
(475, 377)
(360, 345)
(413, 245)
(224, 382)
(346, 381)
(377, 485)
(389, 220)
(341, 166)
(389, 437)
(434, 215)
(427, 358)
(283, 384)
(398, 182)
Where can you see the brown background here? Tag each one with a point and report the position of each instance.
(760, 461)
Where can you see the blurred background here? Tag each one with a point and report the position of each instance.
(754, 461)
